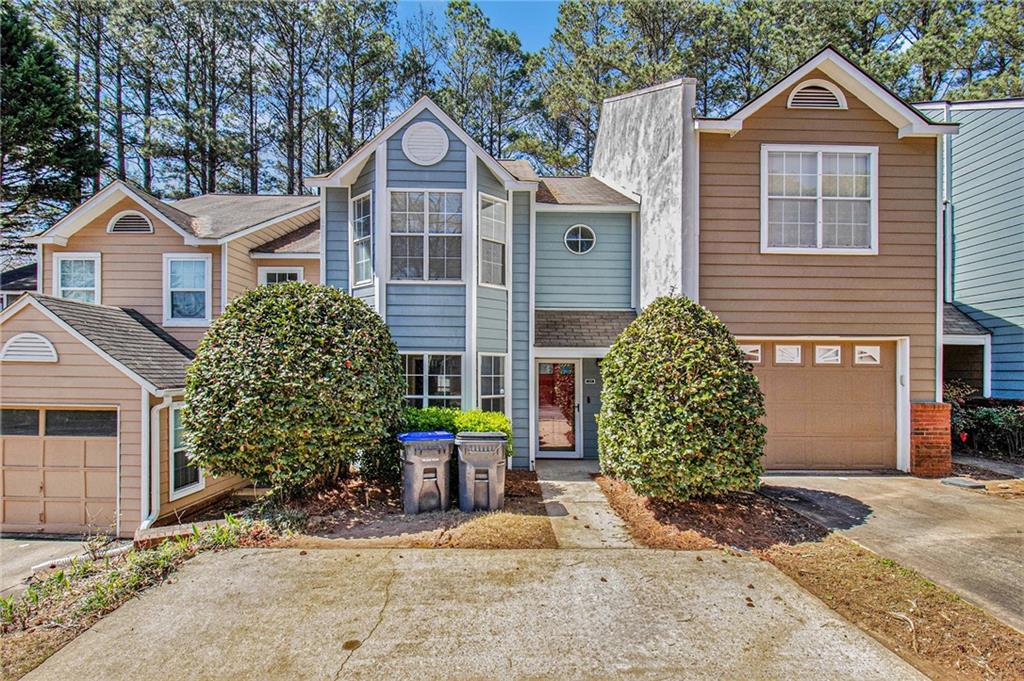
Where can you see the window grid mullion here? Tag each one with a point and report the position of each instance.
(426, 240)
(820, 201)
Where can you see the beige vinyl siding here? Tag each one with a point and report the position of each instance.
(132, 266)
(310, 267)
(889, 294)
(80, 377)
(242, 272)
(169, 510)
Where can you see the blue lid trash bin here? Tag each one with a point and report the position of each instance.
(482, 461)
(426, 458)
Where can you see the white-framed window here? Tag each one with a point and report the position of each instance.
(751, 353)
(362, 239)
(188, 289)
(493, 240)
(426, 235)
(828, 354)
(76, 276)
(579, 239)
(867, 354)
(433, 379)
(492, 382)
(185, 478)
(130, 222)
(819, 199)
(280, 275)
(788, 354)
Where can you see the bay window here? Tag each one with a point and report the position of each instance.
(426, 235)
(433, 380)
(493, 231)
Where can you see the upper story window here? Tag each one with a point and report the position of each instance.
(579, 239)
(130, 222)
(279, 275)
(426, 236)
(493, 231)
(76, 276)
(362, 239)
(187, 289)
(819, 199)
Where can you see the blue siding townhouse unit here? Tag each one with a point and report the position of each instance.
(983, 190)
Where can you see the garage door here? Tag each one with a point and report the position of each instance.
(830, 405)
(59, 469)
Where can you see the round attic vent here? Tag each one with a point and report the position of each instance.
(425, 143)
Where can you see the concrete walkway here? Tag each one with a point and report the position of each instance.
(461, 614)
(971, 543)
(579, 512)
(1003, 467)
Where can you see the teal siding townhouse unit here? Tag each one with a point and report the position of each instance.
(982, 184)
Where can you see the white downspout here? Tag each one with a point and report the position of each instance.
(151, 463)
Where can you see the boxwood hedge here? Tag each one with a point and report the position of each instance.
(293, 383)
(681, 409)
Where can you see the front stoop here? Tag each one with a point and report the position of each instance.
(931, 451)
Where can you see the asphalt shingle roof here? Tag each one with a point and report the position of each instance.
(955, 322)
(127, 336)
(305, 239)
(218, 215)
(588, 191)
(520, 169)
(579, 328)
(19, 278)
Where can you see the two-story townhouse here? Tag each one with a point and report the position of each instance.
(982, 180)
(93, 360)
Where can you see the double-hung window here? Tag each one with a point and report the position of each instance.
(493, 230)
(492, 383)
(819, 199)
(426, 235)
(185, 478)
(362, 239)
(279, 275)
(433, 380)
(76, 276)
(187, 289)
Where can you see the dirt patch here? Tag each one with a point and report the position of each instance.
(356, 514)
(976, 473)
(933, 629)
(1007, 488)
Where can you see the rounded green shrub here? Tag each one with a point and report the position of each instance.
(681, 409)
(291, 385)
(457, 421)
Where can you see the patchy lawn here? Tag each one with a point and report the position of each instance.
(933, 629)
(60, 605)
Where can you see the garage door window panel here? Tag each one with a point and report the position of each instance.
(19, 422)
(80, 423)
(828, 355)
(789, 355)
(867, 354)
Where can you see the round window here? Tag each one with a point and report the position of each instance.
(580, 239)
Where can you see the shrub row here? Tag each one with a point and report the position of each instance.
(457, 421)
(985, 425)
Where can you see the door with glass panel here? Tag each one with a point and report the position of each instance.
(558, 409)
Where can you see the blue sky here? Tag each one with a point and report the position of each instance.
(533, 20)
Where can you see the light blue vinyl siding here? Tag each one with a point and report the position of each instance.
(520, 369)
(366, 182)
(335, 201)
(591, 407)
(365, 294)
(988, 234)
(427, 316)
(492, 319)
(449, 172)
(487, 183)
(599, 279)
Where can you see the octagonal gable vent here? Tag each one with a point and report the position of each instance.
(28, 347)
(131, 223)
(425, 143)
(817, 94)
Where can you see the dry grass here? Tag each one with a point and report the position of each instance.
(1008, 489)
(933, 629)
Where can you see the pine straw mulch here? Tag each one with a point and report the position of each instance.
(357, 514)
(933, 629)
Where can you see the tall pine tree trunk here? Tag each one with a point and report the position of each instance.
(97, 92)
(122, 169)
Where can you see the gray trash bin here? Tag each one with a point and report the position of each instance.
(481, 471)
(425, 460)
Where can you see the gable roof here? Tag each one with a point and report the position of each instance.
(520, 169)
(205, 219)
(19, 278)
(304, 240)
(580, 191)
(125, 338)
(356, 160)
(955, 322)
(909, 121)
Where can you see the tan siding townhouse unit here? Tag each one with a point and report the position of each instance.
(92, 362)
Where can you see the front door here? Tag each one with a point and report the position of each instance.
(558, 409)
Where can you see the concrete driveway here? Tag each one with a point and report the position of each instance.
(968, 542)
(18, 556)
(461, 614)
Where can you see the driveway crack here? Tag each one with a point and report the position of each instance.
(373, 629)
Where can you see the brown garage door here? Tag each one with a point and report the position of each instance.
(59, 469)
(830, 405)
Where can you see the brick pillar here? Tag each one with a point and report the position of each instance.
(931, 452)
